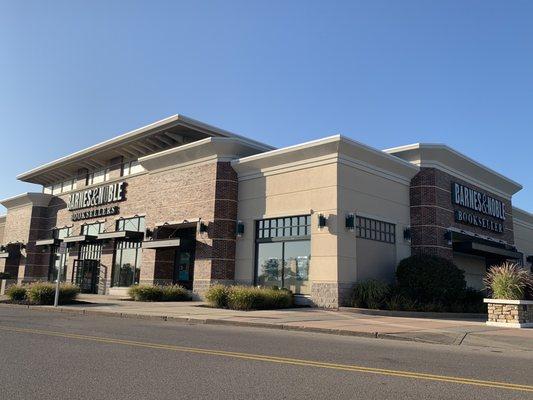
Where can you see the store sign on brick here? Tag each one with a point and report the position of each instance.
(97, 197)
(488, 212)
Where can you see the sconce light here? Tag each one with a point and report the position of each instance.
(239, 228)
(3, 249)
(407, 234)
(322, 221)
(149, 233)
(350, 222)
(448, 237)
(203, 227)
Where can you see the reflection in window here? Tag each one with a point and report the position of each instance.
(126, 268)
(135, 224)
(58, 260)
(92, 229)
(283, 253)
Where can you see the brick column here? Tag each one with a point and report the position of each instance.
(215, 249)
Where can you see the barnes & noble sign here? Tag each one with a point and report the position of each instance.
(98, 199)
(487, 212)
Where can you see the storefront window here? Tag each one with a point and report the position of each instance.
(92, 229)
(58, 260)
(283, 253)
(126, 268)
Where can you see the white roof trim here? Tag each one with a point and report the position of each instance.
(186, 121)
(415, 146)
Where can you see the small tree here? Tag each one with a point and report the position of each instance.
(430, 279)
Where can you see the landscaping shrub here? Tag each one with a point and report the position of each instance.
(509, 281)
(430, 279)
(217, 296)
(370, 294)
(159, 293)
(248, 297)
(175, 293)
(44, 293)
(16, 293)
(245, 298)
(146, 293)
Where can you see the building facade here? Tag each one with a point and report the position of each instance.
(182, 202)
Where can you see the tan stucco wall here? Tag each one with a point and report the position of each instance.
(333, 188)
(312, 190)
(371, 195)
(474, 268)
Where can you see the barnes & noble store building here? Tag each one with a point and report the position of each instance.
(183, 202)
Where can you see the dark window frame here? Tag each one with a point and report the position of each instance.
(260, 225)
(374, 229)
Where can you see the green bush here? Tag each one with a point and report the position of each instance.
(509, 281)
(146, 293)
(430, 279)
(248, 297)
(16, 293)
(159, 293)
(398, 302)
(245, 298)
(175, 293)
(217, 296)
(44, 293)
(370, 294)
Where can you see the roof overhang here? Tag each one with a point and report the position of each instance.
(336, 148)
(33, 199)
(167, 133)
(440, 156)
(209, 149)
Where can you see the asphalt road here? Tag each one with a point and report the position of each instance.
(63, 356)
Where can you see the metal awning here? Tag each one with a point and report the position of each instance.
(48, 242)
(80, 238)
(133, 235)
(484, 249)
(158, 244)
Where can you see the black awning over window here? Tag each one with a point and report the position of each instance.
(484, 249)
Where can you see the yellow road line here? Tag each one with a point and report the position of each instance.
(280, 360)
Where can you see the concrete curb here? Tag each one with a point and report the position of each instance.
(213, 321)
(415, 314)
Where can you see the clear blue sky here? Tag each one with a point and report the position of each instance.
(385, 73)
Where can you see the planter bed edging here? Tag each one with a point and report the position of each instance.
(510, 313)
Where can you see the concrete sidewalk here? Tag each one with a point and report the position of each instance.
(344, 322)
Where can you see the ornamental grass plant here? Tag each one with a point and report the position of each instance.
(509, 281)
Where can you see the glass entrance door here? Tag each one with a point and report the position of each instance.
(86, 275)
(184, 264)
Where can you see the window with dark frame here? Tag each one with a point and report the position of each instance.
(373, 229)
(127, 259)
(283, 253)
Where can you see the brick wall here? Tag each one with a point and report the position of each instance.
(207, 191)
(432, 213)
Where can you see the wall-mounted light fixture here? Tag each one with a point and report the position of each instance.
(203, 227)
(322, 221)
(407, 233)
(239, 229)
(350, 222)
